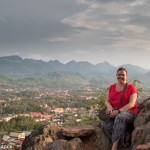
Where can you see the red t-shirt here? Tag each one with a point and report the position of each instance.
(114, 97)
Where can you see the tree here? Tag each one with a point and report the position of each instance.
(19, 124)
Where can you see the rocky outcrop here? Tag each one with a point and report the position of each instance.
(89, 137)
(141, 133)
(38, 139)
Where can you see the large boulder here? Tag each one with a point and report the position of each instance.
(141, 133)
(38, 139)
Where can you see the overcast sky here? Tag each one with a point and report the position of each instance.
(117, 31)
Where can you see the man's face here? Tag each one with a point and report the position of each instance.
(121, 76)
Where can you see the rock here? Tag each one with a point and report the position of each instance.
(144, 114)
(95, 140)
(143, 104)
(38, 139)
(142, 147)
(58, 145)
(142, 125)
(137, 136)
(77, 131)
(99, 141)
(74, 144)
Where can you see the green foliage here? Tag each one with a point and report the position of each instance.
(85, 120)
(19, 124)
(25, 106)
(70, 123)
(97, 102)
(136, 83)
(28, 94)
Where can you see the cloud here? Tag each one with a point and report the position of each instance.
(37, 56)
(58, 39)
(111, 20)
(81, 52)
(97, 15)
(138, 2)
(3, 20)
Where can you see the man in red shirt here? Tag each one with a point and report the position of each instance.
(117, 127)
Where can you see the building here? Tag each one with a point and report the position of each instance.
(17, 135)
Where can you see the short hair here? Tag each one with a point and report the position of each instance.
(122, 69)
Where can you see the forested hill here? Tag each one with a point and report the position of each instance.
(56, 80)
(62, 80)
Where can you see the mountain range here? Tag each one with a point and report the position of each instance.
(16, 71)
(22, 68)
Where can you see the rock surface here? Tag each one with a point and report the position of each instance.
(77, 131)
(141, 133)
(38, 139)
(89, 137)
(74, 144)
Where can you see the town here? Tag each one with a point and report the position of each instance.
(63, 107)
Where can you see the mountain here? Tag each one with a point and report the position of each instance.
(104, 67)
(134, 70)
(144, 77)
(23, 68)
(81, 67)
(56, 65)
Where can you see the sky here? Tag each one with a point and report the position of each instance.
(117, 31)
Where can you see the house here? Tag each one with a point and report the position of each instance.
(24, 115)
(47, 116)
(17, 135)
(19, 143)
(15, 141)
(12, 144)
(5, 137)
(59, 110)
(26, 133)
(7, 118)
(10, 140)
(36, 114)
(78, 120)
